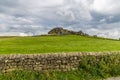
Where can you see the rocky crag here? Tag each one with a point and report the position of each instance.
(61, 31)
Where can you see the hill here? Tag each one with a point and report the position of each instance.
(90, 68)
(52, 44)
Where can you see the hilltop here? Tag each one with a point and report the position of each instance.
(61, 31)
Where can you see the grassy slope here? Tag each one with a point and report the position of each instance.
(107, 66)
(46, 44)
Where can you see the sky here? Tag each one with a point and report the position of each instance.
(35, 17)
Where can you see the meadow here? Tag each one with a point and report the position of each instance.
(52, 44)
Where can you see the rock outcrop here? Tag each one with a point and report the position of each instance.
(61, 31)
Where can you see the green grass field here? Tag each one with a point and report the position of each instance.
(51, 44)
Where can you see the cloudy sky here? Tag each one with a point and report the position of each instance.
(33, 17)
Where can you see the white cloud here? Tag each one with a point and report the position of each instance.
(13, 34)
(23, 34)
(107, 7)
(81, 8)
(103, 20)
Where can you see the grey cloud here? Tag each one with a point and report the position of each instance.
(31, 17)
(9, 3)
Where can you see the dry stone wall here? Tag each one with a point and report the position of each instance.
(42, 62)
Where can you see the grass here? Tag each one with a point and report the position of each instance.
(90, 68)
(51, 44)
